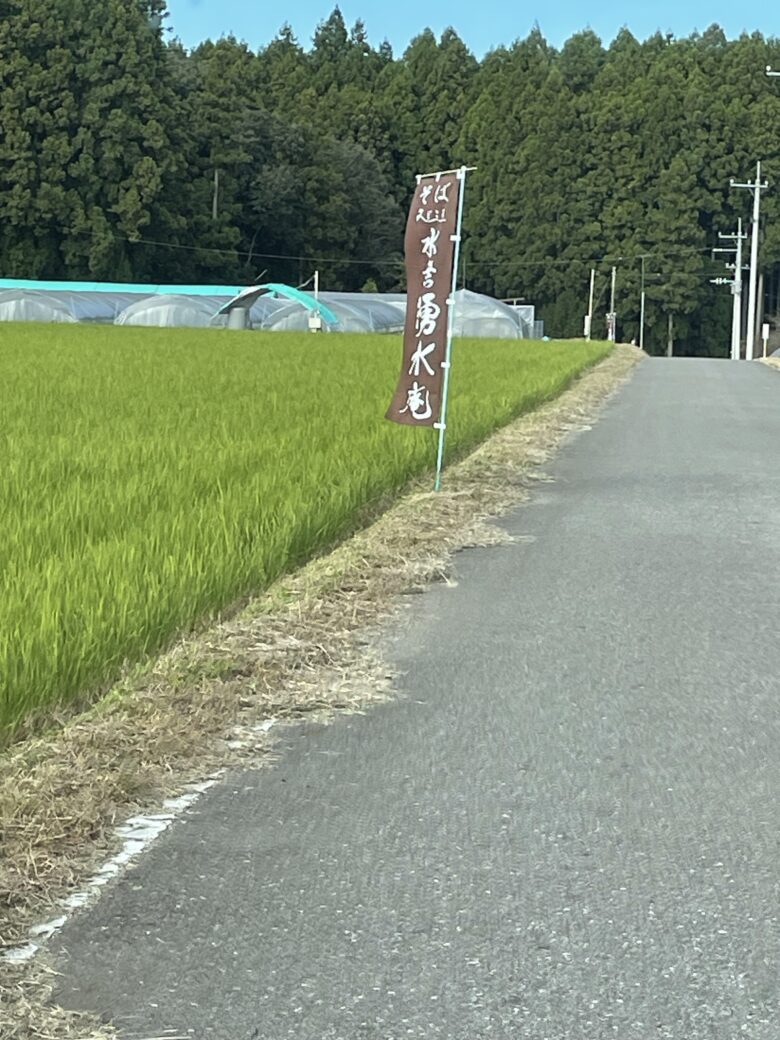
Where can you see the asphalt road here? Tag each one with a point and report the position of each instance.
(568, 825)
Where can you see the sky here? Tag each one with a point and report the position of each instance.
(482, 24)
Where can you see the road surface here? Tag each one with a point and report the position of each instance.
(567, 826)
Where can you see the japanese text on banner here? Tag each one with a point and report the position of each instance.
(429, 248)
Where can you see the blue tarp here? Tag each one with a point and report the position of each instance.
(121, 287)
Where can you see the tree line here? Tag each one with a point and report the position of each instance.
(125, 156)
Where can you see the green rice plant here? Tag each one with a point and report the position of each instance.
(152, 477)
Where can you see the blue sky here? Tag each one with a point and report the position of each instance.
(482, 24)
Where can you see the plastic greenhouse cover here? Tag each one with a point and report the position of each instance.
(378, 312)
(526, 311)
(478, 315)
(292, 317)
(354, 315)
(171, 311)
(475, 314)
(397, 300)
(94, 306)
(25, 305)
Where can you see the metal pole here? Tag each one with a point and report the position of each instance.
(441, 425)
(612, 321)
(642, 323)
(736, 322)
(588, 330)
(756, 187)
(736, 288)
(751, 326)
(443, 173)
(642, 310)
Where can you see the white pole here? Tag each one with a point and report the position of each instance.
(442, 423)
(589, 324)
(736, 288)
(756, 187)
(736, 323)
(642, 310)
(642, 323)
(612, 321)
(751, 322)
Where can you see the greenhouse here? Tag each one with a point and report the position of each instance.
(477, 315)
(171, 310)
(272, 307)
(25, 305)
(352, 312)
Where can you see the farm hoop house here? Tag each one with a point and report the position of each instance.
(272, 307)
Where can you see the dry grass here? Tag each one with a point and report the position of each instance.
(304, 646)
(772, 362)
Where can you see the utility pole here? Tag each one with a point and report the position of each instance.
(589, 317)
(756, 187)
(215, 201)
(642, 308)
(670, 335)
(612, 317)
(734, 329)
(736, 323)
(736, 289)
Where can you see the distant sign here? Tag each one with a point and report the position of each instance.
(430, 251)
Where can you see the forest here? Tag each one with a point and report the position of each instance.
(125, 156)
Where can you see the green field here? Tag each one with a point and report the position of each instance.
(152, 477)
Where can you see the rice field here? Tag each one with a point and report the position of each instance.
(150, 478)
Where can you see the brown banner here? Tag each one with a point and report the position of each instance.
(430, 250)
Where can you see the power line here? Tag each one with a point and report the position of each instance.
(140, 240)
(606, 258)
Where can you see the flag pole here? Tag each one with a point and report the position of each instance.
(441, 425)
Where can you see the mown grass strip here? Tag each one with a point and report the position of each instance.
(151, 478)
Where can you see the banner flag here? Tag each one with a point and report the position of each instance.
(430, 246)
